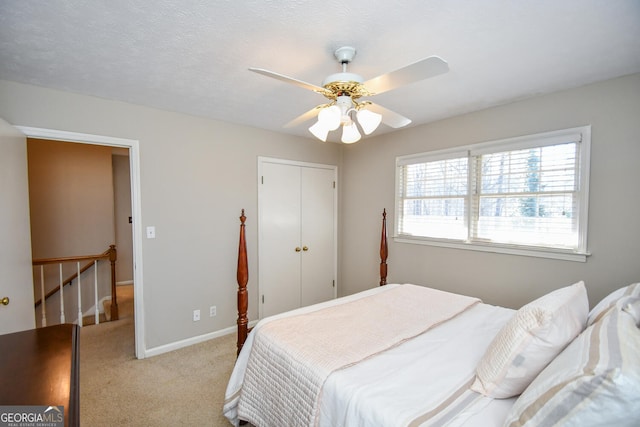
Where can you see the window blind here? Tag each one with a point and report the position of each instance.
(527, 191)
(433, 198)
(527, 196)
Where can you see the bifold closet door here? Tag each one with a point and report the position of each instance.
(317, 235)
(297, 236)
(280, 223)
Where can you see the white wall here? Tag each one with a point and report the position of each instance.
(196, 176)
(613, 110)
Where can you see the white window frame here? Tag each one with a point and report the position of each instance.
(583, 133)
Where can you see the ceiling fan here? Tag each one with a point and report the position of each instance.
(345, 89)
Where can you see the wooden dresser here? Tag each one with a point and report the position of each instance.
(41, 367)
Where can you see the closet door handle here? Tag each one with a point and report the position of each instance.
(304, 248)
(298, 249)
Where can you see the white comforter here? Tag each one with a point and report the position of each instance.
(424, 381)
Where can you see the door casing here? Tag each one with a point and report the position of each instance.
(136, 212)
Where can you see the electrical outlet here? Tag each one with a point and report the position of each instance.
(212, 311)
(196, 315)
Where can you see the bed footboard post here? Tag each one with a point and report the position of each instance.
(243, 278)
(384, 252)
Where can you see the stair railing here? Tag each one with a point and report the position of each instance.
(111, 254)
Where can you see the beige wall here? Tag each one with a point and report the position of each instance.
(122, 209)
(196, 175)
(71, 198)
(613, 110)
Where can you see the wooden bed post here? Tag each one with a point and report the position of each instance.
(243, 278)
(384, 252)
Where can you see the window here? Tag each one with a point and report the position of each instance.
(525, 195)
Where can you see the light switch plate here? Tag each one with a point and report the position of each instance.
(151, 232)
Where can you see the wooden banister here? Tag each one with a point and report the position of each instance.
(58, 260)
(110, 254)
(68, 281)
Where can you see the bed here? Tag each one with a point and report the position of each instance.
(408, 355)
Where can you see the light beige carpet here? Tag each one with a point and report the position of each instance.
(184, 387)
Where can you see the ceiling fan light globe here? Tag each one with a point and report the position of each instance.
(330, 117)
(320, 131)
(350, 133)
(369, 121)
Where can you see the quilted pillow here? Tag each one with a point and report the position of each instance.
(595, 381)
(536, 334)
(610, 300)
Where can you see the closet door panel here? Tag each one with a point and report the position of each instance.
(317, 235)
(280, 236)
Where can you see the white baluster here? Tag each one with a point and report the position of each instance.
(42, 297)
(95, 284)
(62, 319)
(79, 297)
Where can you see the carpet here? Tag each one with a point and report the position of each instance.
(182, 387)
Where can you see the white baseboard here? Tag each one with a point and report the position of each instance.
(155, 351)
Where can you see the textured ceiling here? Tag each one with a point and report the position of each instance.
(192, 56)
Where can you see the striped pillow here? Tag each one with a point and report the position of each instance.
(610, 300)
(595, 381)
(631, 305)
(536, 334)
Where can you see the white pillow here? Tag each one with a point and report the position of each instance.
(595, 381)
(536, 334)
(610, 300)
(631, 305)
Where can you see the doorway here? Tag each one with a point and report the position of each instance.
(134, 164)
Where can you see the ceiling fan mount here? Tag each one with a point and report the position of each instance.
(344, 89)
(345, 54)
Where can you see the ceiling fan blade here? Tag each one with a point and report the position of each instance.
(389, 117)
(288, 79)
(423, 69)
(305, 116)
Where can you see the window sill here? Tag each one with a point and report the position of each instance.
(563, 255)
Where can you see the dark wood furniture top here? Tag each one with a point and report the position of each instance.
(243, 275)
(41, 367)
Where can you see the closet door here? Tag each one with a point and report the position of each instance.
(297, 232)
(279, 261)
(317, 235)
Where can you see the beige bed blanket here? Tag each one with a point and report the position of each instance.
(292, 357)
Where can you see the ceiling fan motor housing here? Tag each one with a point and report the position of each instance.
(345, 83)
(343, 77)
